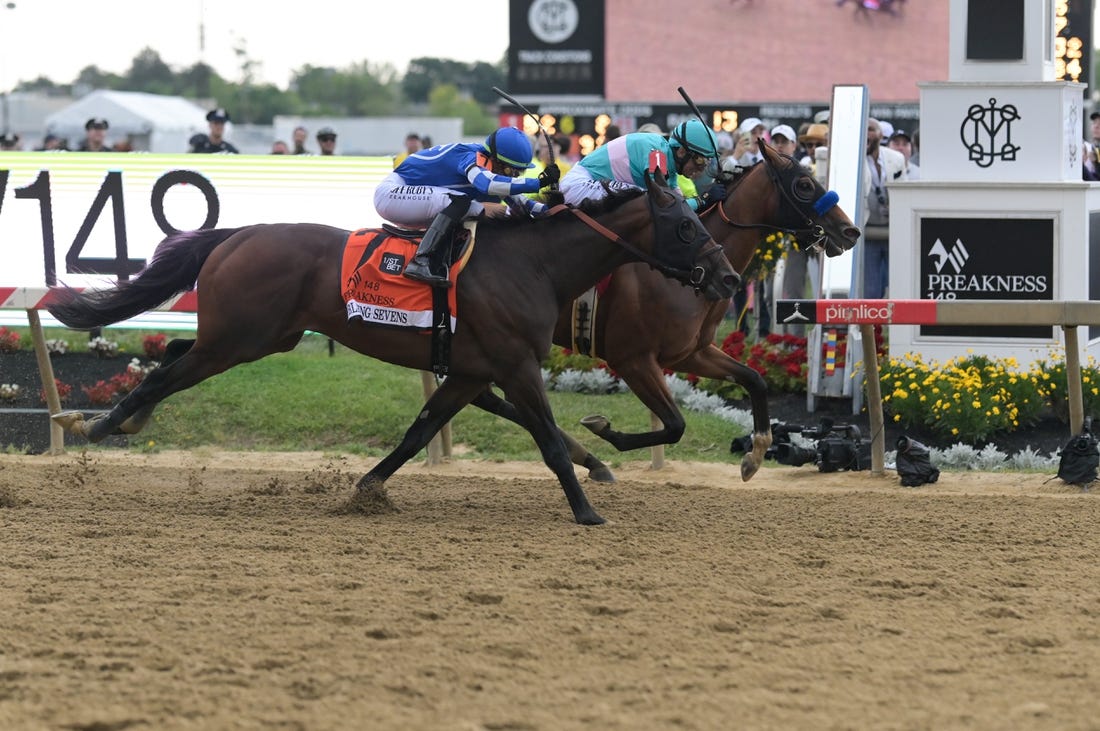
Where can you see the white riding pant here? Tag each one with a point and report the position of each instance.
(415, 206)
(578, 185)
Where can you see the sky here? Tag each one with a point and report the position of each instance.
(58, 38)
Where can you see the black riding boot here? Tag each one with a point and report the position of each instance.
(422, 264)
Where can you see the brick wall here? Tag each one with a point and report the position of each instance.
(771, 50)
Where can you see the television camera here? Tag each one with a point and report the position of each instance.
(838, 446)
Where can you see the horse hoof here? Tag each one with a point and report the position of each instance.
(601, 474)
(71, 421)
(596, 423)
(749, 467)
(590, 518)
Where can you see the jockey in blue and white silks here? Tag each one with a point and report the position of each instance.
(623, 162)
(446, 183)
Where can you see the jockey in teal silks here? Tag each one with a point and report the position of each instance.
(623, 162)
(447, 183)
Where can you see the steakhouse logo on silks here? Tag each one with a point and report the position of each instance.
(376, 291)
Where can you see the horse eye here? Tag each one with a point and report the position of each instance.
(686, 231)
(804, 189)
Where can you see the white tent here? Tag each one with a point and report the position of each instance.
(151, 122)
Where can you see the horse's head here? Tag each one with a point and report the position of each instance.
(806, 208)
(794, 203)
(683, 248)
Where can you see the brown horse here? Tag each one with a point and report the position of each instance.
(261, 287)
(645, 323)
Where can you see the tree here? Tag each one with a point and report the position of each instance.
(150, 74)
(445, 100)
(45, 86)
(91, 77)
(197, 81)
(360, 90)
(476, 79)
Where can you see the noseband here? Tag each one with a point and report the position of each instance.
(810, 235)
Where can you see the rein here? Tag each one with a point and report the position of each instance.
(695, 276)
(812, 232)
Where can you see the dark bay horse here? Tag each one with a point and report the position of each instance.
(645, 323)
(261, 287)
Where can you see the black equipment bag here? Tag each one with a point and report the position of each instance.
(1080, 458)
(914, 463)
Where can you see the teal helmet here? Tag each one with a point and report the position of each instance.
(510, 146)
(695, 136)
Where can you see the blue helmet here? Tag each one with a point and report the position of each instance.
(510, 146)
(695, 136)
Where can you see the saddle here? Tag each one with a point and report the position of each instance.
(376, 292)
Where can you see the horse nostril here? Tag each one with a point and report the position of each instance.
(731, 281)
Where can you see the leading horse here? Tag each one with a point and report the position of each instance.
(261, 287)
(645, 323)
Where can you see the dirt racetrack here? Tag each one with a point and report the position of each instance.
(207, 590)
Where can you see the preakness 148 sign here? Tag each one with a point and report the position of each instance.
(987, 259)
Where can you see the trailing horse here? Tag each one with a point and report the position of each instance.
(645, 323)
(261, 287)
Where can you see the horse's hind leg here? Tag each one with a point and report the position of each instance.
(447, 400)
(141, 417)
(199, 362)
(597, 470)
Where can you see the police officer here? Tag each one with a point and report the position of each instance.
(215, 141)
(95, 136)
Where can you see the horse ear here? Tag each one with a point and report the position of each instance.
(657, 175)
(657, 186)
(767, 150)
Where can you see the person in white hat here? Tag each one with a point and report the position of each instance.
(887, 130)
(752, 128)
(784, 139)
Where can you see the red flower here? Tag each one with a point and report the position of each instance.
(101, 394)
(63, 391)
(154, 346)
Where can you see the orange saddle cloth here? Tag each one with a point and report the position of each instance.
(375, 289)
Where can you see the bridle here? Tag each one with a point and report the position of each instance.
(810, 235)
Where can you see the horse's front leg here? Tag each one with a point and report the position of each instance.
(713, 362)
(525, 390)
(447, 400)
(597, 470)
(646, 381)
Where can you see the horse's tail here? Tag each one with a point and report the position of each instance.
(173, 269)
